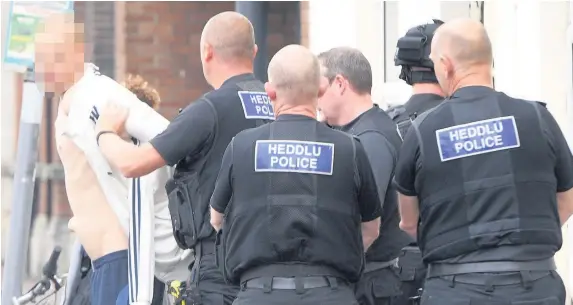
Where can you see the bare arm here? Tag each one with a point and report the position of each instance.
(563, 168)
(404, 181)
(368, 199)
(223, 189)
(216, 219)
(410, 213)
(370, 232)
(185, 136)
(565, 205)
(132, 161)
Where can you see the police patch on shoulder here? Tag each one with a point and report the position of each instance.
(257, 105)
(294, 157)
(477, 138)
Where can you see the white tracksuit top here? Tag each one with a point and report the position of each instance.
(140, 203)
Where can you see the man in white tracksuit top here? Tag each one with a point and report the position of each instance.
(107, 208)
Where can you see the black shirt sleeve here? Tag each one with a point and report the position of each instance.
(223, 187)
(187, 133)
(368, 199)
(382, 158)
(405, 177)
(564, 159)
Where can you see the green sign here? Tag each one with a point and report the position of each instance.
(24, 18)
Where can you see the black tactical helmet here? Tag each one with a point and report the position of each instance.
(413, 54)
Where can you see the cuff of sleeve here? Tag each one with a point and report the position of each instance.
(218, 209)
(565, 187)
(370, 218)
(403, 190)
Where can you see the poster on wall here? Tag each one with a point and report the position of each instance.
(23, 21)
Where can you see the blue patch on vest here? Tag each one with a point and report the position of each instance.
(257, 105)
(477, 138)
(294, 157)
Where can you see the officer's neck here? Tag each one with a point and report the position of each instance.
(352, 109)
(303, 109)
(427, 89)
(225, 72)
(475, 77)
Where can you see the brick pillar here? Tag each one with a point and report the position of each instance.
(168, 55)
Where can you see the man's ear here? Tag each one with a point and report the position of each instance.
(448, 66)
(340, 82)
(255, 50)
(322, 86)
(207, 52)
(271, 91)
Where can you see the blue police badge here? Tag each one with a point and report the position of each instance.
(477, 138)
(257, 105)
(294, 157)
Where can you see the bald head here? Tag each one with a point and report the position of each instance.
(464, 41)
(294, 72)
(231, 35)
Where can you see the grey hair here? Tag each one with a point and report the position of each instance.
(350, 63)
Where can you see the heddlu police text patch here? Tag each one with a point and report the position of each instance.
(477, 138)
(294, 157)
(257, 105)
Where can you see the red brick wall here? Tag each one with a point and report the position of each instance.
(162, 44)
(160, 41)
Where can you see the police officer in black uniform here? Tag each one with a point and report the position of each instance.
(413, 54)
(295, 195)
(195, 142)
(390, 275)
(486, 183)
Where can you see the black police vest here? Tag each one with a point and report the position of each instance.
(293, 217)
(196, 180)
(391, 239)
(486, 179)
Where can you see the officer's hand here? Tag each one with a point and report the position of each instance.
(112, 118)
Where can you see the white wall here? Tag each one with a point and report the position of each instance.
(531, 44)
(326, 30)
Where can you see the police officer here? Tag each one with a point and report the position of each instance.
(347, 106)
(195, 141)
(413, 54)
(295, 195)
(485, 183)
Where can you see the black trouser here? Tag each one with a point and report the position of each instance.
(508, 288)
(319, 290)
(207, 285)
(393, 285)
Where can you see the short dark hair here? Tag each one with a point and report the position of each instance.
(350, 63)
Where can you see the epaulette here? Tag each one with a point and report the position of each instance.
(542, 104)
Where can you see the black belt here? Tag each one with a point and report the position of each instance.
(373, 266)
(292, 270)
(484, 267)
(496, 279)
(291, 283)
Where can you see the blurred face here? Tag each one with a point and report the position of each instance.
(59, 60)
(329, 104)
